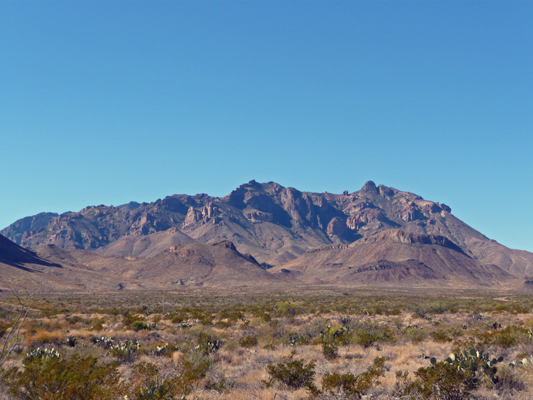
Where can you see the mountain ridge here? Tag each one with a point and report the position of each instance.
(273, 223)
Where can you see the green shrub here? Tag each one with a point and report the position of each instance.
(509, 337)
(191, 371)
(292, 373)
(129, 319)
(354, 386)
(420, 311)
(337, 334)
(248, 341)
(440, 381)
(372, 334)
(454, 378)
(440, 336)
(147, 384)
(141, 325)
(287, 309)
(208, 344)
(219, 384)
(330, 350)
(415, 334)
(74, 320)
(59, 379)
(438, 307)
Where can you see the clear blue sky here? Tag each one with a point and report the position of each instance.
(105, 102)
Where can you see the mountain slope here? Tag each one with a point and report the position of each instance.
(396, 258)
(145, 246)
(209, 265)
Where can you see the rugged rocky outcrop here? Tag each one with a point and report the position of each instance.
(16, 230)
(273, 223)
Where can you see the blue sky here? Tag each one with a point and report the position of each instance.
(105, 102)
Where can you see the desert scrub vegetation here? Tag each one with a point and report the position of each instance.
(304, 345)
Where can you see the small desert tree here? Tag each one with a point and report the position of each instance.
(11, 338)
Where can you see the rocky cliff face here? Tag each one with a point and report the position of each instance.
(16, 230)
(272, 223)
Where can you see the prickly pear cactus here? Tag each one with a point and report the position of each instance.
(474, 361)
(522, 362)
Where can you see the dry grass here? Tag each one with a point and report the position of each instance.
(394, 327)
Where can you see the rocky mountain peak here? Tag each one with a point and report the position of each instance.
(369, 187)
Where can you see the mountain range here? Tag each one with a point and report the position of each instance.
(264, 233)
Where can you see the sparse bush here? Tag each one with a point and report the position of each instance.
(509, 380)
(219, 383)
(141, 325)
(248, 341)
(294, 339)
(58, 379)
(292, 373)
(147, 384)
(415, 334)
(372, 334)
(191, 371)
(440, 381)
(454, 378)
(438, 307)
(74, 320)
(330, 350)
(420, 311)
(325, 322)
(287, 309)
(354, 386)
(207, 344)
(509, 337)
(440, 336)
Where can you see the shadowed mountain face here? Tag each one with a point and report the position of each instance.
(272, 223)
(23, 269)
(395, 258)
(15, 256)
